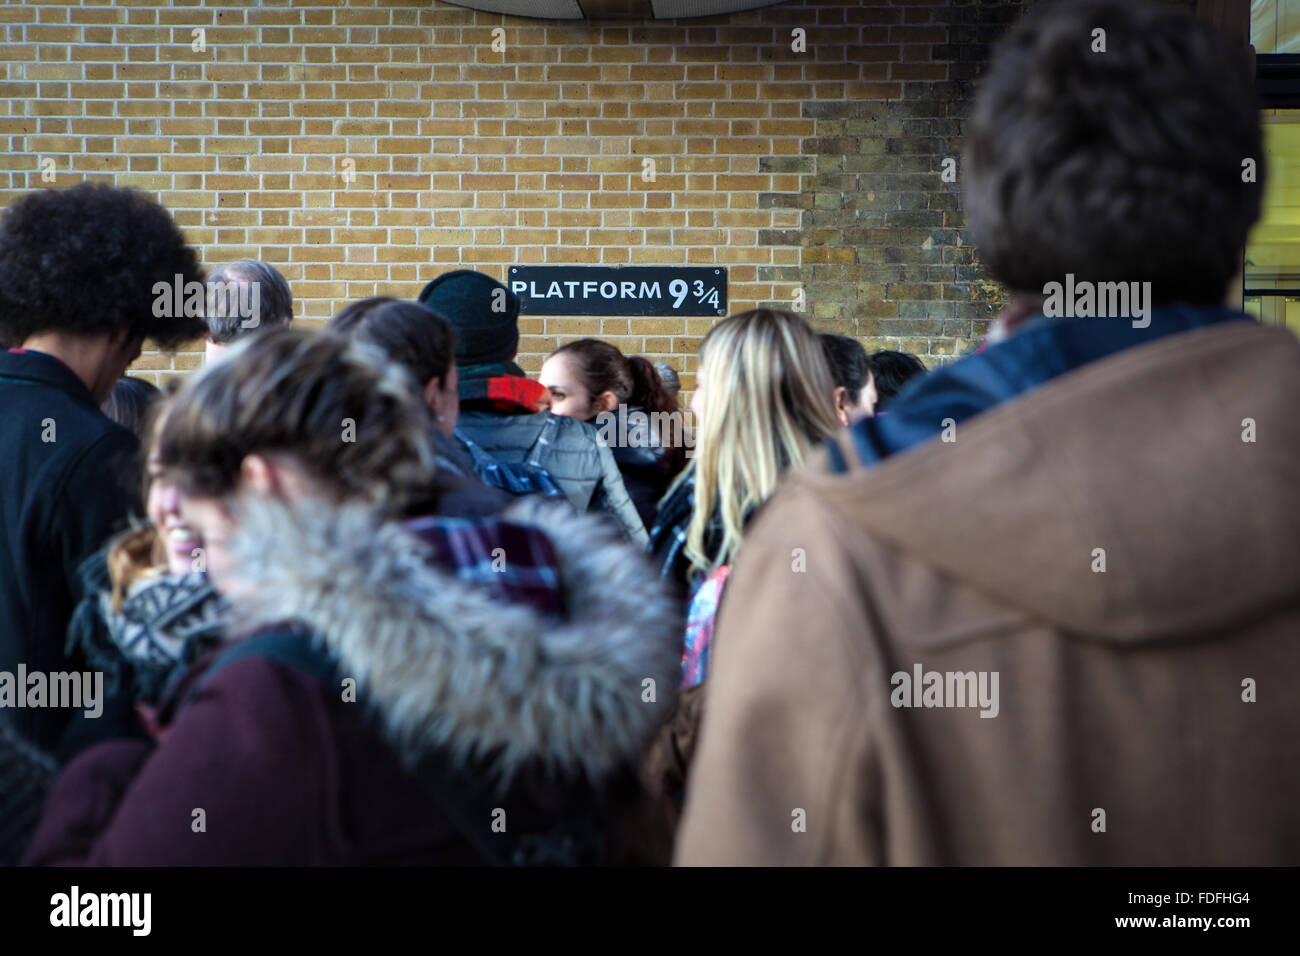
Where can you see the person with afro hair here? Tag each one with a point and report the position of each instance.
(78, 270)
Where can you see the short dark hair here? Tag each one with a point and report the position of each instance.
(274, 300)
(130, 402)
(85, 260)
(891, 371)
(409, 334)
(850, 367)
(1124, 165)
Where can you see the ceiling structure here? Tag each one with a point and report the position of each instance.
(613, 9)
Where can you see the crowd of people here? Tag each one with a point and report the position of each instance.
(371, 595)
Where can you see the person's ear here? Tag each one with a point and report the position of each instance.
(606, 402)
(433, 393)
(120, 341)
(841, 399)
(259, 476)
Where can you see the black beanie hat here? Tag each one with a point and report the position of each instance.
(466, 298)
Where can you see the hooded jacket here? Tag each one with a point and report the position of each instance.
(532, 672)
(1119, 547)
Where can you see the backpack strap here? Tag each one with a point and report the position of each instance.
(541, 449)
(482, 460)
(293, 648)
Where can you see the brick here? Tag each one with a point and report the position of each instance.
(816, 169)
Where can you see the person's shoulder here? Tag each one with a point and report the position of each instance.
(70, 416)
(85, 431)
(481, 422)
(108, 436)
(96, 458)
(805, 501)
(264, 687)
(574, 428)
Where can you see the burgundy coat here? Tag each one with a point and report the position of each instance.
(286, 772)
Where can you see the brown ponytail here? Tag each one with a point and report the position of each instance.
(650, 393)
(648, 389)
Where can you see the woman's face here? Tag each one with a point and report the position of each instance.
(260, 476)
(567, 394)
(214, 525)
(182, 539)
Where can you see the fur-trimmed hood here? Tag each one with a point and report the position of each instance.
(448, 665)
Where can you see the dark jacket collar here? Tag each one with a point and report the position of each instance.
(30, 366)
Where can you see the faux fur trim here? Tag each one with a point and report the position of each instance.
(448, 665)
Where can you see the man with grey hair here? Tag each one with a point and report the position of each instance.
(243, 297)
(668, 375)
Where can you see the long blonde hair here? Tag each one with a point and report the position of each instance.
(766, 403)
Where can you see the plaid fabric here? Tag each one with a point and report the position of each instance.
(512, 561)
(700, 618)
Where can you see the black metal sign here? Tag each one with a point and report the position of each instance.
(636, 290)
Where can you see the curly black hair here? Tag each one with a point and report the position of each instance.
(85, 260)
(1117, 165)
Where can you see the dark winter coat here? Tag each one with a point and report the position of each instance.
(25, 777)
(66, 486)
(539, 664)
(641, 459)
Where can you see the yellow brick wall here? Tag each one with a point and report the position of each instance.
(464, 156)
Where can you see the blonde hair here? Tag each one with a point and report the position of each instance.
(139, 552)
(766, 394)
